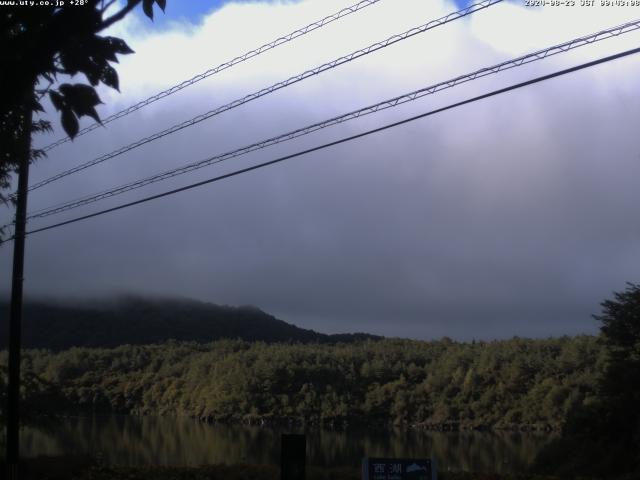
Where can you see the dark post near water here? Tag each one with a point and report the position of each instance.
(293, 456)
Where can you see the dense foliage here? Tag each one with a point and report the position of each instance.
(619, 389)
(603, 436)
(38, 43)
(138, 321)
(501, 384)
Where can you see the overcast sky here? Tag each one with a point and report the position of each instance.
(516, 215)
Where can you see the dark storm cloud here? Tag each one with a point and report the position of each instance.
(508, 217)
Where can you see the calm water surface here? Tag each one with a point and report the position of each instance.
(124, 440)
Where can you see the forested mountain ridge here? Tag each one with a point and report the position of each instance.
(133, 320)
(502, 384)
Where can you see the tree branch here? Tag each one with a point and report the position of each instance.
(118, 16)
(105, 7)
(43, 91)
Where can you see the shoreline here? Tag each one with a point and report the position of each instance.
(83, 468)
(353, 423)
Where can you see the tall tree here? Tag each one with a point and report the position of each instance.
(620, 385)
(37, 44)
(602, 436)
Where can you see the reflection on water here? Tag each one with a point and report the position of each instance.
(124, 440)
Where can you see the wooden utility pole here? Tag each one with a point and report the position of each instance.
(15, 320)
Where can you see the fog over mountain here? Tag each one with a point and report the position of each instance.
(134, 320)
(510, 216)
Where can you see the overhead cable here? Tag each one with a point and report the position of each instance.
(343, 140)
(223, 66)
(390, 103)
(277, 86)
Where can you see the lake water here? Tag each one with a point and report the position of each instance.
(125, 440)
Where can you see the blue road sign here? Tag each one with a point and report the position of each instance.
(398, 469)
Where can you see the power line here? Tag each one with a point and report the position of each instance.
(277, 86)
(345, 139)
(393, 102)
(223, 66)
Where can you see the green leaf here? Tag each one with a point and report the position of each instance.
(69, 122)
(147, 6)
(70, 61)
(162, 4)
(36, 154)
(110, 77)
(40, 126)
(57, 100)
(119, 45)
(106, 49)
(92, 70)
(80, 93)
(81, 99)
(37, 106)
(91, 112)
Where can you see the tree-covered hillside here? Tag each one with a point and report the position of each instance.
(500, 384)
(139, 321)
